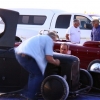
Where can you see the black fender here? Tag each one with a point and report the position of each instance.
(85, 78)
(94, 69)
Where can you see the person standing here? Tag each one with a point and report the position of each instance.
(33, 55)
(95, 33)
(73, 32)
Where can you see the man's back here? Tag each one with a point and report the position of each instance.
(37, 47)
(34, 45)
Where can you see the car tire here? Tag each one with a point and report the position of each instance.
(93, 62)
(54, 87)
(85, 79)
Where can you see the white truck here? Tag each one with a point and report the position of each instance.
(31, 21)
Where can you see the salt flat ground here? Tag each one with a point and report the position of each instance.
(80, 97)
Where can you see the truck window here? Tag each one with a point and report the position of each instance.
(31, 20)
(63, 21)
(83, 21)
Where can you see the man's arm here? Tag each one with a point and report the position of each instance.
(67, 33)
(91, 36)
(49, 53)
(50, 59)
(67, 36)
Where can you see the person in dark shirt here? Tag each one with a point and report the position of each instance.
(95, 34)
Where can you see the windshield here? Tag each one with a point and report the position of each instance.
(95, 17)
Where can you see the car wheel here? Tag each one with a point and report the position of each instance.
(54, 87)
(85, 79)
(94, 66)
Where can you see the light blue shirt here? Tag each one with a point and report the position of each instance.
(37, 47)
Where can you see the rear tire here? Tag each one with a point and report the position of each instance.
(85, 79)
(54, 87)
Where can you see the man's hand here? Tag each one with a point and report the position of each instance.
(57, 62)
(67, 36)
(50, 59)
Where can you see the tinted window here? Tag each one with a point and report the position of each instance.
(25, 19)
(63, 21)
(31, 20)
(83, 21)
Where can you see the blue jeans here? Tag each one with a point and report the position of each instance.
(35, 75)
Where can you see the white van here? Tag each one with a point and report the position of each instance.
(31, 21)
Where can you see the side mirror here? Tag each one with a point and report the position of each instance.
(88, 26)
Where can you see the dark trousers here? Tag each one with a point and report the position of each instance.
(35, 75)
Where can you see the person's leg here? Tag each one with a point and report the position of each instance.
(35, 75)
(35, 79)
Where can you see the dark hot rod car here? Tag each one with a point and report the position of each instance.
(88, 53)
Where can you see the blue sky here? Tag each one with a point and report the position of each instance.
(90, 6)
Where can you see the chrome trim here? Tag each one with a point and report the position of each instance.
(95, 67)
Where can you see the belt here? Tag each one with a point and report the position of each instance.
(22, 54)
